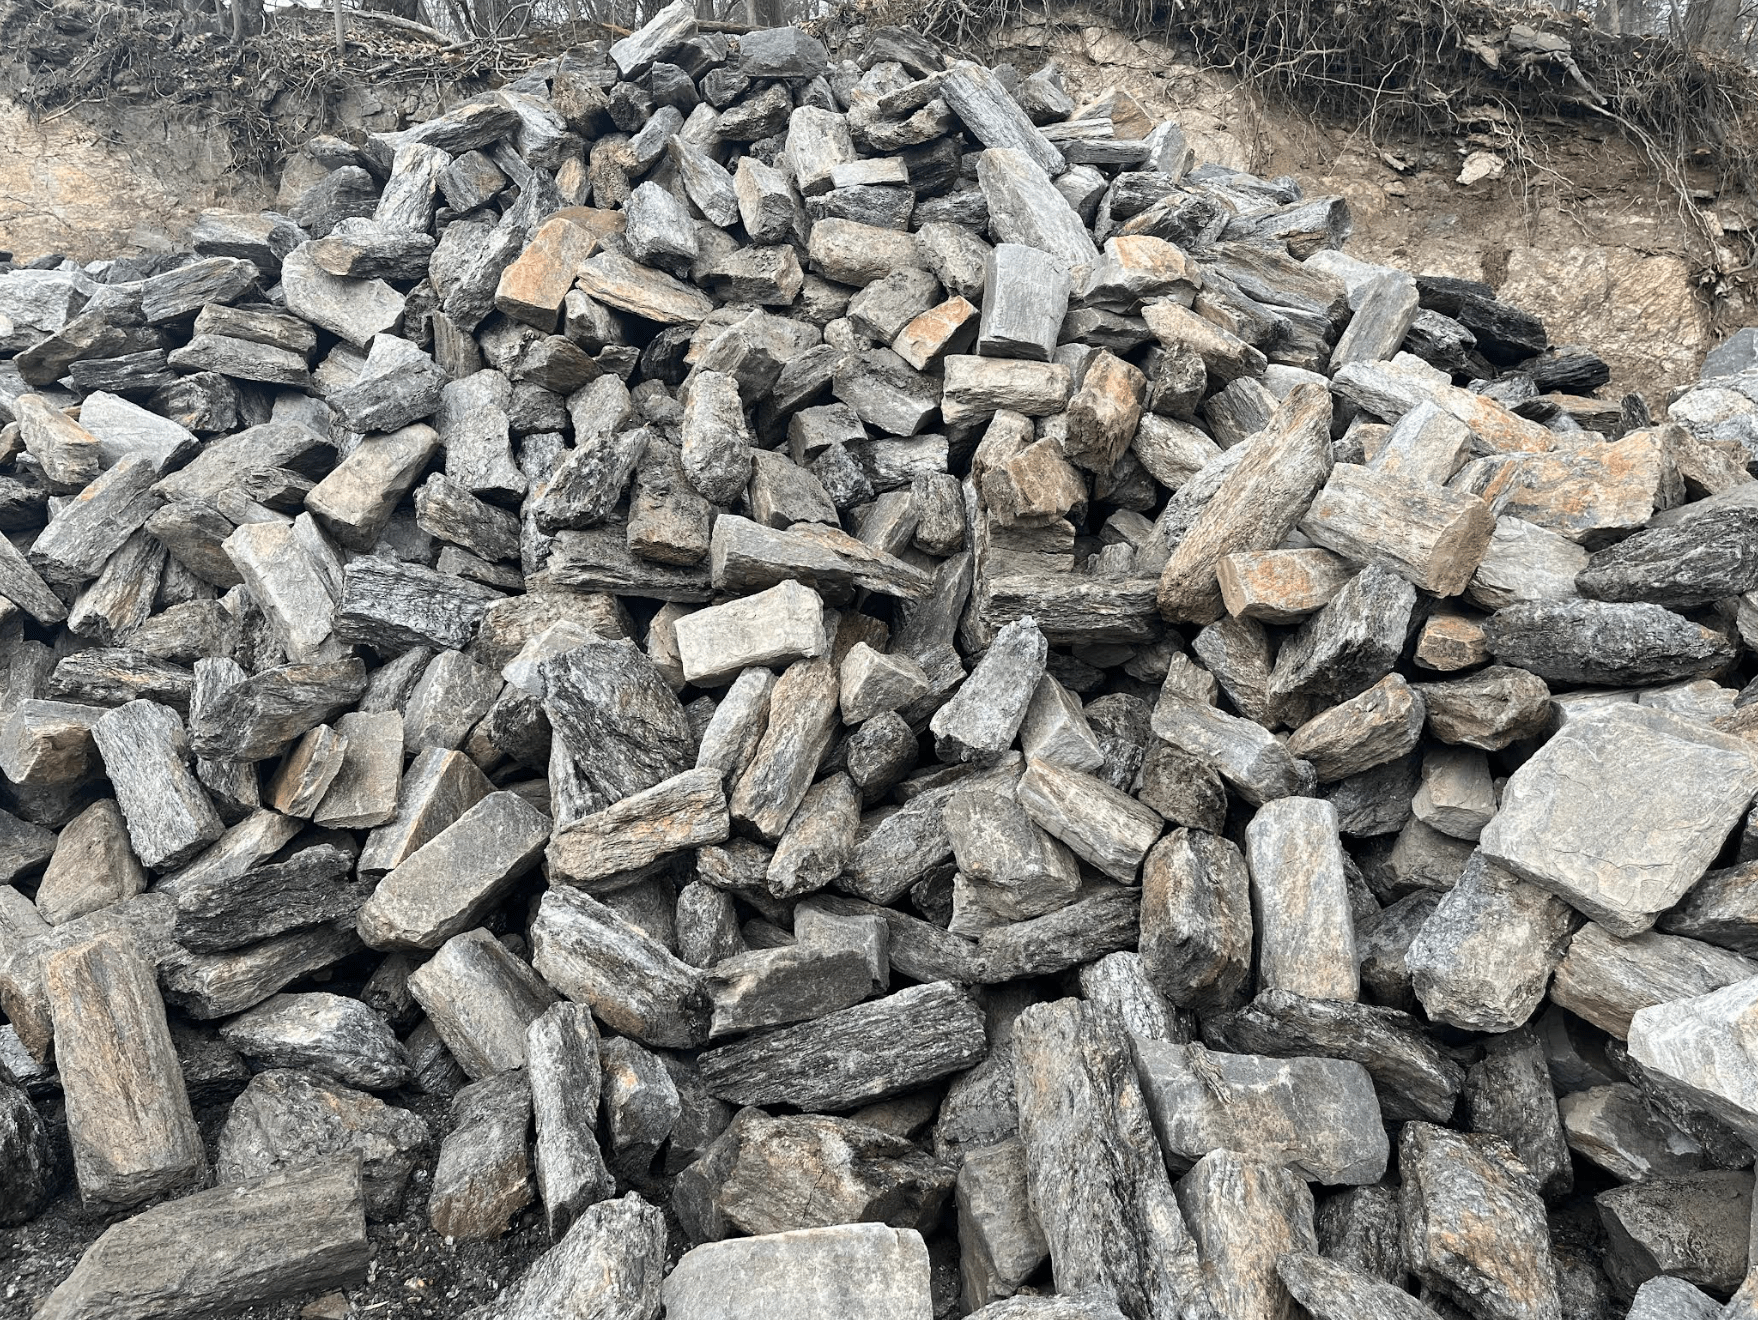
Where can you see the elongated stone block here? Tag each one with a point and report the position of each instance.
(1320, 1117)
(632, 982)
(271, 1237)
(773, 627)
(847, 1058)
(983, 717)
(1093, 1168)
(561, 1056)
(1433, 536)
(1258, 503)
(1245, 1213)
(686, 811)
(1108, 829)
(1025, 296)
(128, 1114)
(1300, 900)
(481, 999)
(169, 816)
(446, 885)
(869, 1270)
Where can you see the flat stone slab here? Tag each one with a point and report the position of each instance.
(1622, 812)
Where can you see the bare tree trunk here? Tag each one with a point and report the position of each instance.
(341, 40)
(247, 19)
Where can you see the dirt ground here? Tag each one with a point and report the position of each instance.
(1585, 238)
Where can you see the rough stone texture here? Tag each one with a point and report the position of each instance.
(1621, 813)
(1318, 1116)
(1483, 958)
(847, 1058)
(1300, 902)
(284, 1120)
(1093, 1168)
(610, 1264)
(632, 982)
(128, 1114)
(1244, 1214)
(444, 886)
(869, 1270)
(1474, 1228)
(1607, 980)
(1585, 641)
(1695, 1048)
(1330, 1290)
(1694, 1227)
(1258, 503)
(276, 1236)
(480, 998)
(562, 1060)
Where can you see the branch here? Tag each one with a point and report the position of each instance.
(402, 25)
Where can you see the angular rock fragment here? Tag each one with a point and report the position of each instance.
(611, 1263)
(1000, 1243)
(1306, 940)
(1244, 1214)
(562, 1061)
(217, 985)
(1693, 1227)
(1108, 829)
(1243, 752)
(1492, 708)
(481, 999)
(1258, 503)
(266, 1239)
(847, 1058)
(1614, 1128)
(128, 1116)
(1484, 956)
(1380, 725)
(1349, 644)
(168, 814)
(813, 1171)
(773, 627)
(1508, 1093)
(632, 983)
(93, 866)
(1116, 1236)
(851, 1269)
(1413, 1077)
(329, 1034)
(444, 886)
(1320, 1117)
(1607, 980)
(1473, 1224)
(1621, 812)
(483, 1175)
(1588, 641)
(1330, 1290)
(438, 788)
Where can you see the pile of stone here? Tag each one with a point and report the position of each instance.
(961, 702)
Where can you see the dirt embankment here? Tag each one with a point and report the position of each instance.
(1590, 239)
(1592, 242)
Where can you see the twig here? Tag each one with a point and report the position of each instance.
(68, 109)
